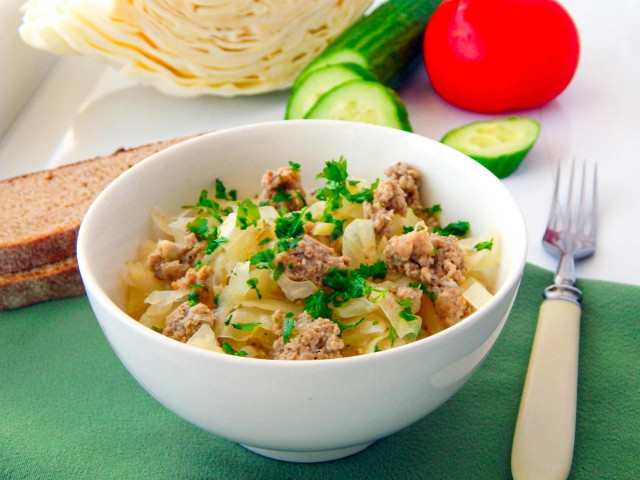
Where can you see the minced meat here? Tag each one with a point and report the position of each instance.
(310, 260)
(408, 178)
(196, 277)
(170, 261)
(388, 198)
(451, 306)
(311, 339)
(285, 184)
(184, 321)
(426, 257)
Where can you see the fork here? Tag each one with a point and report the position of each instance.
(545, 428)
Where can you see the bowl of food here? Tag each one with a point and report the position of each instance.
(303, 288)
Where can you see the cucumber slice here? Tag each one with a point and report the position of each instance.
(387, 41)
(499, 145)
(310, 87)
(362, 101)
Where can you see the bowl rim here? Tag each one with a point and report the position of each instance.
(97, 293)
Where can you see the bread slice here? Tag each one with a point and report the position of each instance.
(49, 282)
(40, 213)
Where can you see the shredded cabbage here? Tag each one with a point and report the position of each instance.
(359, 242)
(296, 290)
(205, 338)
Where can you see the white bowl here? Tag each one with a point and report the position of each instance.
(303, 411)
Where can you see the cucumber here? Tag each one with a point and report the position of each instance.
(385, 42)
(499, 145)
(310, 87)
(362, 101)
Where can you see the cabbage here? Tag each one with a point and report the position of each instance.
(356, 307)
(295, 290)
(323, 228)
(235, 291)
(193, 47)
(475, 293)
(163, 298)
(273, 305)
(205, 338)
(359, 242)
(155, 315)
(178, 228)
(391, 309)
(317, 209)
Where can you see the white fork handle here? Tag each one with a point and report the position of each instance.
(545, 429)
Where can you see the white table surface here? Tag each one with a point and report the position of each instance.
(84, 109)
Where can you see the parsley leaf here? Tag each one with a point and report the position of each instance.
(264, 241)
(253, 283)
(248, 214)
(432, 210)
(484, 245)
(290, 226)
(233, 194)
(246, 326)
(405, 314)
(199, 226)
(193, 298)
(350, 283)
(198, 264)
(156, 329)
(287, 328)
(228, 320)
(345, 326)
(263, 259)
(459, 229)
(278, 271)
(432, 295)
(317, 305)
(208, 206)
(294, 166)
(228, 349)
(335, 172)
(407, 229)
(376, 270)
(376, 349)
(281, 195)
(392, 334)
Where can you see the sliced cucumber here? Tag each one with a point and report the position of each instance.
(362, 101)
(499, 145)
(387, 41)
(310, 87)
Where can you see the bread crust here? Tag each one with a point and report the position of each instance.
(50, 282)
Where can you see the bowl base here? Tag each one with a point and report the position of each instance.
(308, 457)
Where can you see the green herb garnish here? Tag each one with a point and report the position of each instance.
(350, 283)
(156, 329)
(278, 271)
(287, 328)
(432, 210)
(208, 206)
(294, 166)
(376, 349)
(392, 335)
(335, 172)
(253, 283)
(281, 195)
(345, 326)
(432, 295)
(228, 349)
(263, 259)
(317, 305)
(264, 241)
(484, 245)
(248, 214)
(228, 320)
(246, 326)
(459, 229)
(197, 265)
(407, 229)
(193, 298)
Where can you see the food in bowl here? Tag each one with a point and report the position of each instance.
(352, 268)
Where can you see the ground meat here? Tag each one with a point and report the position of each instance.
(197, 277)
(184, 321)
(451, 306)
(310, 260)
(170, 261)
(408, 179)
(426, 257)
(388, 198)
(285, 182)
(415, 294)
(311, 339)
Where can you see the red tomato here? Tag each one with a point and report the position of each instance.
(494, 56)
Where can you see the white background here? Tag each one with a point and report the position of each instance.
(82, 109)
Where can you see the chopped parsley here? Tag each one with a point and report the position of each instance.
(281, 195)
(200, 227)
(432, 210)
(289, 230)
(392, 335)
(228, 320)
(253, 283)
(216, 299)
(197, 265)
(264, 241)
(246, 326)
(350, 283)
(407, 229)
(278, 271)
(294, 166)
(376, 349)
(335, 172)
(228, 349)
(345, 326)
(248, 214)
(301, 197)
(156, 329)
(196, 285)
(221, 191)
(194, 298)
(435, 251)
(263, 259)
(484, 245)
(459, 229)
(287, 328)
(338, 228)
(405, 313)
(381, 293)
(208, 206)
(317, 305)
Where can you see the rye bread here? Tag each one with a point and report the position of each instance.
(40, 213)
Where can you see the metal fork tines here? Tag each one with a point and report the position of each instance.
(571, 231)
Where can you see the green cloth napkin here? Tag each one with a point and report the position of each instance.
(69, 409)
